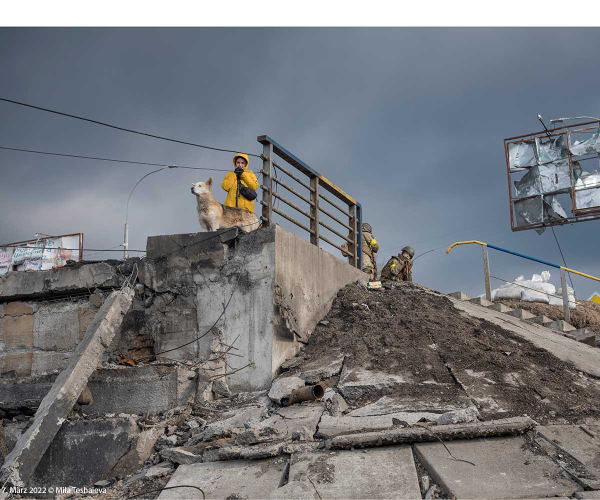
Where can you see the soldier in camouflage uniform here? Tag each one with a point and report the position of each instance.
(369, 248)
(399, 267)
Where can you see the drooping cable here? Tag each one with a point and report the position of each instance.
(124, 129)
(114, 160)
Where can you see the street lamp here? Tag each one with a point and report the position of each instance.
(126, 233)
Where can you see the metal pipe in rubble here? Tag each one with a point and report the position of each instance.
(307, 393)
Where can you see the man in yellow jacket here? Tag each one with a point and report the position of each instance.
(240, 178)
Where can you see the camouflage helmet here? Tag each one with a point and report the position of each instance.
(367, 227)
(409, 250)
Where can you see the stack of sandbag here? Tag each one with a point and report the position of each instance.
(536, 289)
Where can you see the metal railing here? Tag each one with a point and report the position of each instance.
(314, 185)
(486, 271)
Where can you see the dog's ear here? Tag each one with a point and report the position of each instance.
(209, 182)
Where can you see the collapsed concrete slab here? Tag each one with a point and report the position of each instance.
(136, 390)
(20, 464)
(499, 468)
(54, 282)
(94, 447)
(579, 442)
(262, 293)
(376, 473)
(218, 480)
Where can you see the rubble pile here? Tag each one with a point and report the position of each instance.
(394, 363)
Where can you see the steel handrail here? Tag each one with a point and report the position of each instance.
(567, 269)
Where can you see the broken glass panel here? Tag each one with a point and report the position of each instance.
(589, 146)
(587, 194)
(553, 209)
(551, 148)
(529, 211)
(534, 211)
(547, 178)
(522, 154)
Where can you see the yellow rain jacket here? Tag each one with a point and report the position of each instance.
(229, 184)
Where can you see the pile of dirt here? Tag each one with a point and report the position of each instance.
(409, 330)
(585, 315)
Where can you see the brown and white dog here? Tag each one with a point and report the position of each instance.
(214, 215)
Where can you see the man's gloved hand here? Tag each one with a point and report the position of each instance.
(239, 171)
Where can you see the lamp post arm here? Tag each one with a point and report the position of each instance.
(126, 233)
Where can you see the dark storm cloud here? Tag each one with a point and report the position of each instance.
(409, 121)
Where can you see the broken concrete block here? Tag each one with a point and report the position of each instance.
(158, 470)
(283, 386)
(560, 326)
(142, 389)
(356, 382)
(433, 406)
(140, 451)
(183, 455)
(459, 416)
(583, 335)
(56, 405)
(314, 371)
(521, 314)
(300, 419)
(236, 422)
(500, 308)
(540, 320)
(330, 427)
(334, 402)
(219, 386)
(480, 301)
(460, 295)
(186, 385)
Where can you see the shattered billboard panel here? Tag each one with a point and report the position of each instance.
(554, 176)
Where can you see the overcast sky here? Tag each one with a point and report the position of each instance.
(409, 121)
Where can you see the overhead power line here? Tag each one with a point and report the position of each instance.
(116, 127)
(98, 158)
